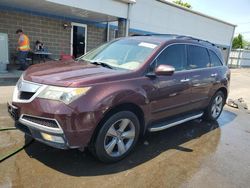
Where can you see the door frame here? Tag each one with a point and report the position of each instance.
(71, 40)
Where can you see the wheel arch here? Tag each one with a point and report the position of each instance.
(224, 91)
(122, 107)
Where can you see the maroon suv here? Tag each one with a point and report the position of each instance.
(107, 98)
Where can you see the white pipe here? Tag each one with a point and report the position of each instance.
(128, 19)
(108, 31)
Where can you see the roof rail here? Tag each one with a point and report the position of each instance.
(155, 34)
(177, 37)
(134, 35)
(193, 38)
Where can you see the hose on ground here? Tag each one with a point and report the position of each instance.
(8, 129)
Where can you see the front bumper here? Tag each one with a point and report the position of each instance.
(37, 135)
(49, 135)
(50, 121)
(69, 130)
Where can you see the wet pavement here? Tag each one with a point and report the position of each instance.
(193, 154)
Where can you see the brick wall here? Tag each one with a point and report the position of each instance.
(47, 30)
(96, 36)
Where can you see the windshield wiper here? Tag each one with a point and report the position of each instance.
(103, 64)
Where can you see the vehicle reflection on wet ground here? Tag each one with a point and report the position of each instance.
(191, 154)
(85, 165)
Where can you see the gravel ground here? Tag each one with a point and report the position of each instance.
(240, 85)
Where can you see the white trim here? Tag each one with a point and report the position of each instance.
(127, 1)
(39, 126)
(71, 38)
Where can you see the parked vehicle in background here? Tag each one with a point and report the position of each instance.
(115, 93)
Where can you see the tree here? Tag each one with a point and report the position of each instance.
(246, 44)
(238, 42)
(183, 4)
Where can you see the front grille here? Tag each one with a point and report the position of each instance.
(25, 95)
(25, 91)
(41, 121)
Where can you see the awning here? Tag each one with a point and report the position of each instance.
(83, 11)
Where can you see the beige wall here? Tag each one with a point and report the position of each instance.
(158, 17)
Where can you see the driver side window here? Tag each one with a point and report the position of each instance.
(174, 55)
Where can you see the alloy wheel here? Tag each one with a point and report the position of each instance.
(119, 137)
(217, 106)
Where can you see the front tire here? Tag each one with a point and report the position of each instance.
(215, 107)
(117, 137)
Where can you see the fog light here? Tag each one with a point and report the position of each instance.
(52, 138)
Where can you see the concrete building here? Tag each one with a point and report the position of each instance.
(74, 27)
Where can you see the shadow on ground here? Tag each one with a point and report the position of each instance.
(76, 163)
(8, 81)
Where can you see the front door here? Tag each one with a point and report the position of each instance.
(78, 39)
(173, 93)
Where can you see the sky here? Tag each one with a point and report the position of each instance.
(235, 12)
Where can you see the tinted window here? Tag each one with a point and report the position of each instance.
(174, 55)
(197, 57)
(215, 61)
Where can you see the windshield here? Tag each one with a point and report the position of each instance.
(126, 54)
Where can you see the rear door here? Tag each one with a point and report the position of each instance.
(172, 93)
(217, 71)
(200, 75)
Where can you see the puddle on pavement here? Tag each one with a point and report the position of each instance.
(173, 156)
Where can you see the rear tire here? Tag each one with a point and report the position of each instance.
(117, 137)
(215, 107)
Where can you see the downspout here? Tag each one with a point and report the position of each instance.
(230, 48)
(128, 19)
(108, 31)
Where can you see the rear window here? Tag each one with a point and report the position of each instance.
(215, 61)
(197, 57)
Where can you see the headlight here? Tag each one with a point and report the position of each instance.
(66, 95)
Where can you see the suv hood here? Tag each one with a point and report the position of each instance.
(70, 73)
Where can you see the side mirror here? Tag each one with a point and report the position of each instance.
(164, 70)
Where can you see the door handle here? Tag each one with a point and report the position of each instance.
(185, 80)
(214, 75)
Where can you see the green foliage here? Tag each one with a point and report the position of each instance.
(181, 3)
(246, 44)
(238, 42)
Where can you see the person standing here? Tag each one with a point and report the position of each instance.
(23, 49)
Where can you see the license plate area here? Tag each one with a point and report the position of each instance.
(13, 111)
